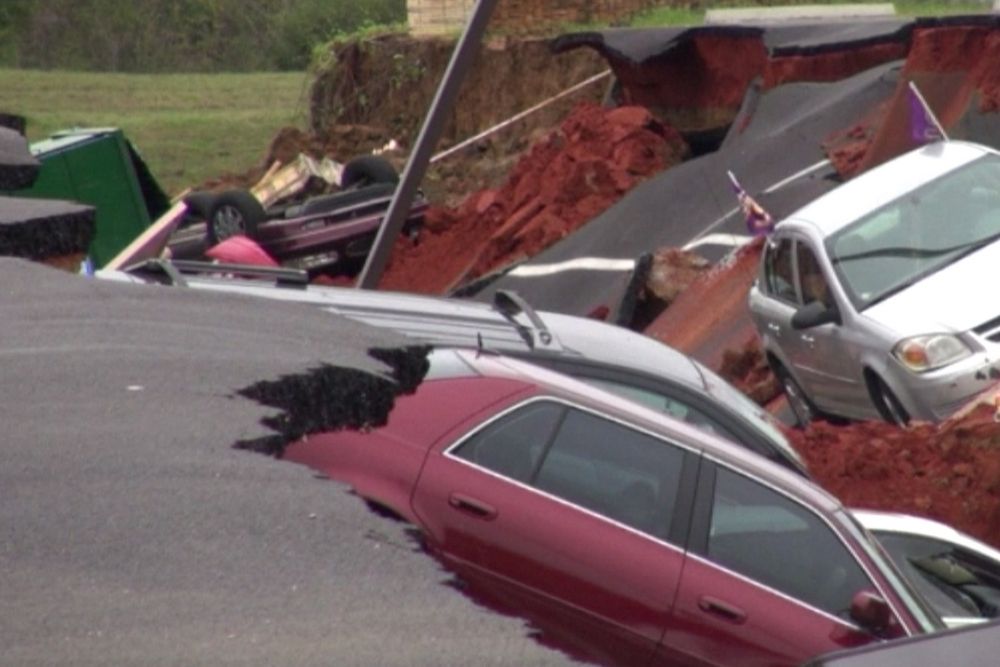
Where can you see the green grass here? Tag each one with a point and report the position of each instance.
(188, 127)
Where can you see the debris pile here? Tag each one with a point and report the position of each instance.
(594, 158)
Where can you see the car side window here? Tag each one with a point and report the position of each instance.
(811, 280)
(779, 279)
(668, 405)
(759, 533)
(614, 471)
(512, 445)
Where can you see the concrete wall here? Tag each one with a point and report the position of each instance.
(518, 16)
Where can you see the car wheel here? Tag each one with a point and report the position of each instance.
(367, 170)
(886, 402)
(802, 408)
(233, 212)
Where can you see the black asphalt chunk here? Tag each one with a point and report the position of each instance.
(637, 46)
(778, 135)
(39, 229)
(133, 533)
(14, 121)
(803, 39)
(18, 167)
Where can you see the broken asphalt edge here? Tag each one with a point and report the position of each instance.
(330, 398)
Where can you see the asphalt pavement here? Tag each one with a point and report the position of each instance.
(132, 532)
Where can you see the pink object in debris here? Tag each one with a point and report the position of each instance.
(240, 250)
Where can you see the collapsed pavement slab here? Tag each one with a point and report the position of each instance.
(134, 533)
(45, 230)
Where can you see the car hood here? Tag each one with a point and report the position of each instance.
(955, 298)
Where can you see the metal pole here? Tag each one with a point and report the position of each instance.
(416, 166)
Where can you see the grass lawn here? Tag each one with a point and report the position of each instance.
(188, 127)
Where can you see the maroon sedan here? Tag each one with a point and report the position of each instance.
(627, 537)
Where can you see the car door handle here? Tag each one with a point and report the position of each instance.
(472, 506)
(773, 327)
(808, 339)
(717, 607)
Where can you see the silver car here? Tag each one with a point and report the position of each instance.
(877, 299)
(611, 357)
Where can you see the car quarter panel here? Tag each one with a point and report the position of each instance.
(382, 464)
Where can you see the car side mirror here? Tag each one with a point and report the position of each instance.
(814, 314)
(871, 612)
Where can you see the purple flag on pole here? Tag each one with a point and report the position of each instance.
(924, 127)
(758, 220)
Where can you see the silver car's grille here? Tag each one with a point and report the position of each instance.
(990, 330)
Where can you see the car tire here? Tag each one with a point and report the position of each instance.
(802, 408)
(886, 402)
(367, 170)
(232, 213)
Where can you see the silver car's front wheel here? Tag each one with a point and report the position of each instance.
(887, 404)
(800, 404)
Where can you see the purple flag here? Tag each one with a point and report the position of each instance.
(924, 127)
(758, 220)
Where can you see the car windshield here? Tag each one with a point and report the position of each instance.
(918, 234)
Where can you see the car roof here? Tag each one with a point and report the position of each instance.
(559, 385)
(883, 184)
(508, 324)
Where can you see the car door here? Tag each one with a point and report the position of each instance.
(778, 299)
(768, 581)
(827, 361)
(567, 517)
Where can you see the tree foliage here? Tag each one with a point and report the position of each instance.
(180, 35)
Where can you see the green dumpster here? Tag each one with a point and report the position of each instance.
(99, 167)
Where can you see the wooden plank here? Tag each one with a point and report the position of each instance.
(151, 242)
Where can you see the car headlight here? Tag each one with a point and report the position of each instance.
(925, 353)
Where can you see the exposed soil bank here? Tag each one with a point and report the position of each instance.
(389, 82)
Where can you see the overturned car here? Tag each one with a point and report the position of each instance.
(330, 233)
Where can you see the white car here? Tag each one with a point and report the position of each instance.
(958, 575)
(875, 300)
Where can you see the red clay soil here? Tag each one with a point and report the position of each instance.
(711, 316)
(830, 65)
(589, 163)
(949, 472)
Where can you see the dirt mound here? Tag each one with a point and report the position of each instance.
(949, 472)
(595, 157)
